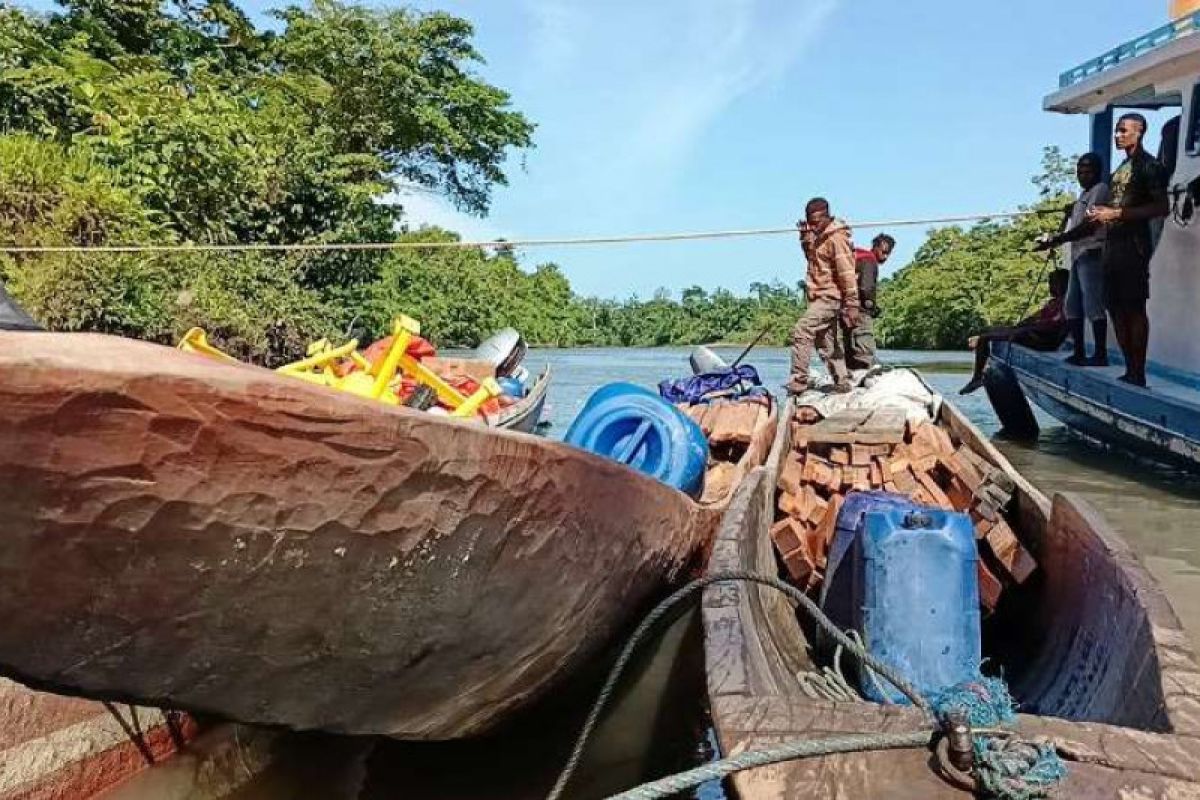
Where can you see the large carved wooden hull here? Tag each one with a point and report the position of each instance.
(217, 538)
(1105, 669)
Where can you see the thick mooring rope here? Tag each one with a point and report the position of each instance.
(677, 599)
(1008, 770)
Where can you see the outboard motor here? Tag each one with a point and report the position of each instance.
(504, 349)
(13, 317)
(704, 361)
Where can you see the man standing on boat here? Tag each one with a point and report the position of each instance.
(832, 293)
(1085, 296)
(1138, 195)
(859, 342)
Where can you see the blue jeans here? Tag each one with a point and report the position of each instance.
(1085, 292)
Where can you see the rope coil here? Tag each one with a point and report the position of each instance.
(1005, 771)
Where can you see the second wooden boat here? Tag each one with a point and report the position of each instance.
(218, 538)
(1089, 645)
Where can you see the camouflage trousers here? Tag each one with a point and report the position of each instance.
(856, 346)
(819, 328)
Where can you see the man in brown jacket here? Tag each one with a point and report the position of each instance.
(832, 292)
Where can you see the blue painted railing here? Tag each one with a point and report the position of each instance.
(1139, 46)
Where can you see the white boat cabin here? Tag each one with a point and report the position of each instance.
(1157, 71)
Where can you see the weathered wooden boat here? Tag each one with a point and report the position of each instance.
(218, 538)
(1089, 645)
(525, 415)
(65, 747)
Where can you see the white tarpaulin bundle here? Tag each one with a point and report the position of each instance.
(881, 387)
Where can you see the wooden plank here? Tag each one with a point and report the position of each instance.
(718, 481)
(982, 526)
(906, 481)
(790, 504)
(791, 477)
(812, 504)
(934, 491)
(788, 535)
(885, 426)
(860, 479)
(966, 470)
(839, 428)
(720, 420)
(876, 473)
(960, 496)
(800, 435)
(826, 528)
(990, 587)
(837, 479)
(860, 456)
(1008, 551)
(840, 456)
(735, 424)
(799, 565)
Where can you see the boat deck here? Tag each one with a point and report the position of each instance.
(1162, 419)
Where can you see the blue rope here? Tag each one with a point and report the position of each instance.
(1012, 769)
(985, 701)
(1006, 769)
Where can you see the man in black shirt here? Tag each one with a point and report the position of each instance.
(1137, 195)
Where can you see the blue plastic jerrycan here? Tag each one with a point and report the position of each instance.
(636, 427)
(842, 591)
(920, 609)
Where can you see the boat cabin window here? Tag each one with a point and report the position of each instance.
(1193, 126)
(1168, 148)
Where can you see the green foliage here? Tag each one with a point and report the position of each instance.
(177, 121)
(1057, 177)
(397, 84)
(962, 281)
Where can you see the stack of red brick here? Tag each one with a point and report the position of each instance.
(862, 451)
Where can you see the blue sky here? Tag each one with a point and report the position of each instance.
(696, 114)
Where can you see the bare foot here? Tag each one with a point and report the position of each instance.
(974, 386)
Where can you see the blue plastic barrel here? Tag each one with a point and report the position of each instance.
(920, 609)
(636, 427)
(511, 386)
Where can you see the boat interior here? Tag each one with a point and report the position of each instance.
(1089, 636)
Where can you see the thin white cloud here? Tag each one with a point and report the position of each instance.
(719, 53)
(554, 30)
(635, 86)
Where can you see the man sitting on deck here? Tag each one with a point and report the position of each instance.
(1045, 330)
(1138, 195)
(1085, 294)
(831, 288)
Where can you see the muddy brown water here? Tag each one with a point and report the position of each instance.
(657, 722)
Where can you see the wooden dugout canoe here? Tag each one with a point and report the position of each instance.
(1090, 647)
(525, 415)
(219, 538)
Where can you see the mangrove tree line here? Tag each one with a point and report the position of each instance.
(181, 121)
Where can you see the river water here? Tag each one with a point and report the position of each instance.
(657, 724)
